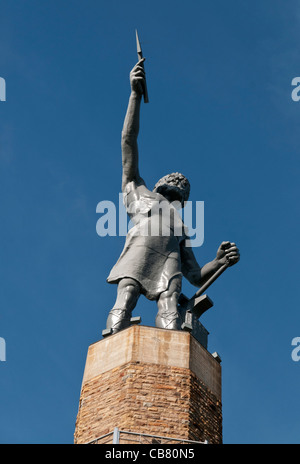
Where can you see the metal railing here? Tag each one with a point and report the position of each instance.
(120, 437)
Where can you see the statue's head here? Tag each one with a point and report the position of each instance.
(174, 187)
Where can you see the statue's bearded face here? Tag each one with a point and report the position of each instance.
(174, 187)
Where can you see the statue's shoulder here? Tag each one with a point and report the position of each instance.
(138, 192)
(137, 188)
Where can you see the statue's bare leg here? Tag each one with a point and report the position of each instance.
(167, 316)
(127, 297)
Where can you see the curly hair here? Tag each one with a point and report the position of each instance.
(176, 180)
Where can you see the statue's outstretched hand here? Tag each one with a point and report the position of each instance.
(137, 77)
(228, 253)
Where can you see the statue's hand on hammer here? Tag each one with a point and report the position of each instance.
(228, 253)
(137, 78)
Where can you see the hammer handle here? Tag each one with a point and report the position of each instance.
(210, 280)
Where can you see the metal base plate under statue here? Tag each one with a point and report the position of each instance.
(150, 385)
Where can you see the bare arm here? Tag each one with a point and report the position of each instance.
(131, 127)
(227, 252)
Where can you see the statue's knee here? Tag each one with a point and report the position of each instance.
(132, 293)
(128, 293)
(129, 286)
(169, 297)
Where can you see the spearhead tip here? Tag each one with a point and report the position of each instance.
(138, 45)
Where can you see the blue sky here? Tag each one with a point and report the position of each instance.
(219, 81)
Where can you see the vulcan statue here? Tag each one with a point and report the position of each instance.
(153, 264)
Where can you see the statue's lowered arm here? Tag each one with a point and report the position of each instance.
(227, 254)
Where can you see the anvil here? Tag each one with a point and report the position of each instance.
(194, 307)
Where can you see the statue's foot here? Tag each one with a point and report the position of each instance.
(172, 323)
(118, 319)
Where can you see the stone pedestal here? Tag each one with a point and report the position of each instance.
(150, 381)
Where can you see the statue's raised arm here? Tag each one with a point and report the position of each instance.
(130, 156)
